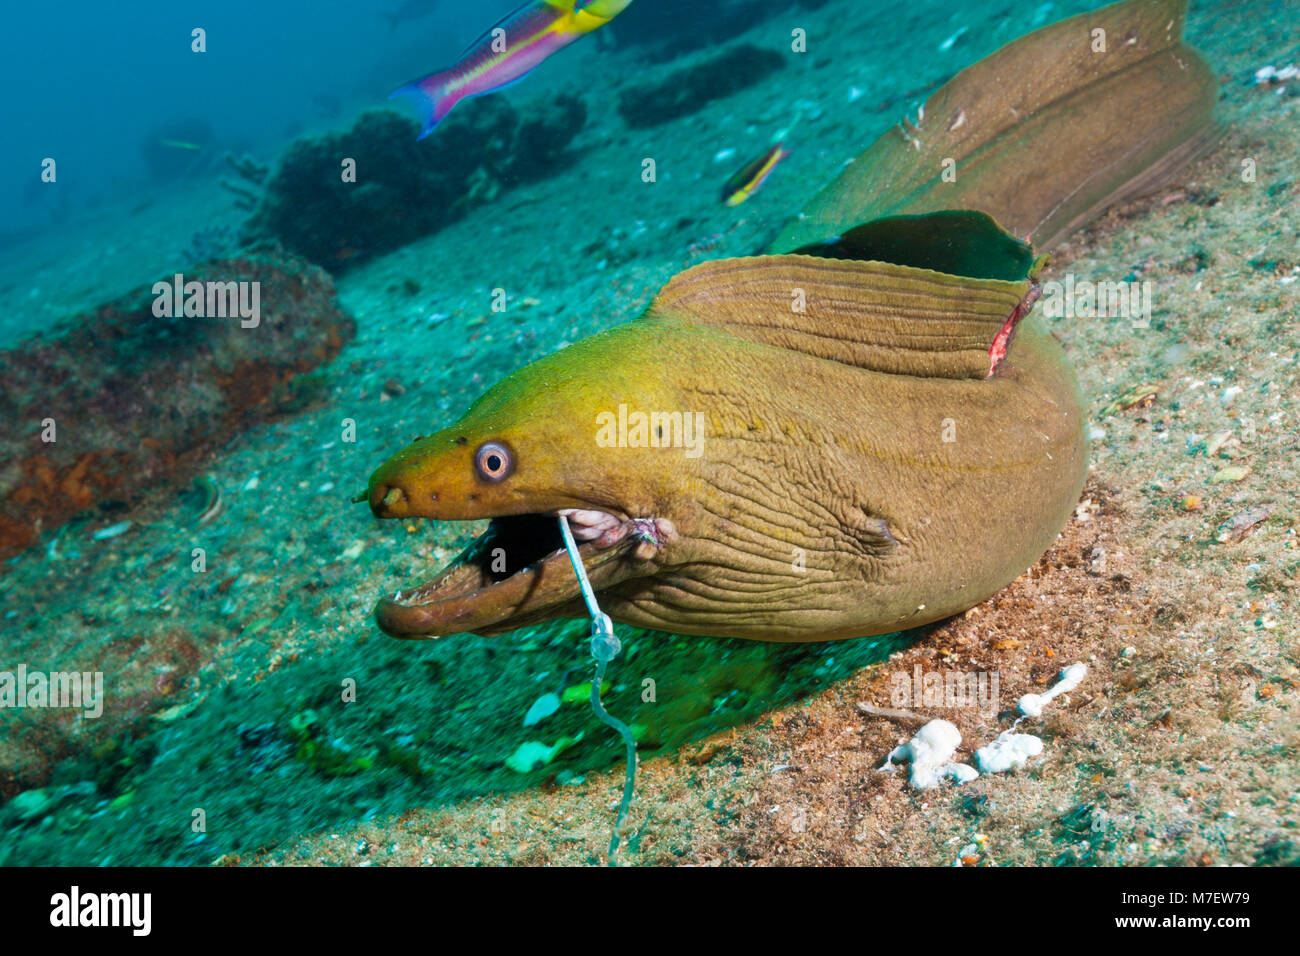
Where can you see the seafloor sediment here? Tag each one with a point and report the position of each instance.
(1180, 747)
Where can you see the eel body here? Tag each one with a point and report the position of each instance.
(864, 431)
(1044, 135)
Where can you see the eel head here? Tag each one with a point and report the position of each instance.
(524, 455)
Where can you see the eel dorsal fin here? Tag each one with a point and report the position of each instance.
(957, 283)
(1043, 134)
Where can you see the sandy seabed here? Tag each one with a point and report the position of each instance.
(1180, 746)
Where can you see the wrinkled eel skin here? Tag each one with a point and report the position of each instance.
(888, 434)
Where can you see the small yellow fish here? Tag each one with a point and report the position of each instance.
(742, 185)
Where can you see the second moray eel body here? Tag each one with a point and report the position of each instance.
(859, 433)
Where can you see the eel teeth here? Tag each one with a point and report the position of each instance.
(588, 525)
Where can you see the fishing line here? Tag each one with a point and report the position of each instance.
(605, 646)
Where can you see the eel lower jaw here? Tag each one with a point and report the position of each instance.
(518, 573)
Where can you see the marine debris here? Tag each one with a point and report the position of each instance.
(930, 754)
(931, 750)
(1008, 751)
(605, 646)
(1031, 705)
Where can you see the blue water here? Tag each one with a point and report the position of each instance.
(95, 86)
(88, 85)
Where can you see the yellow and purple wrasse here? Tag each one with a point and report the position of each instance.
(746, 182)
(508, 52)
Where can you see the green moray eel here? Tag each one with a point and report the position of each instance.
(1043, 135)
(863, 431)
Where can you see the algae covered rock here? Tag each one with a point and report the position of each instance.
(404, 188)
(691, 88)
(135, 395)
(667, 29)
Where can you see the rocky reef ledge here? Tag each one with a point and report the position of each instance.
(140, 392)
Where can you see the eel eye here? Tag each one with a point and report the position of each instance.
(493, 461)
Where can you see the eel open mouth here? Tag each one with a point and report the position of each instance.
(518, 573)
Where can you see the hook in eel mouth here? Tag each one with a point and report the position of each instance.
(518, 573)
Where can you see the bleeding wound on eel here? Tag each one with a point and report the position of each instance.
(894, 453)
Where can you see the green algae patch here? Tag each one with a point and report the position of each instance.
(329, 757)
